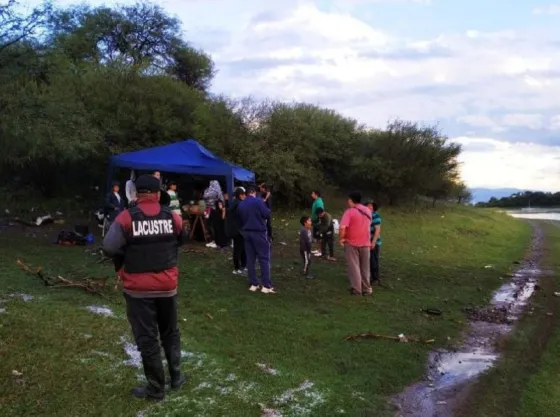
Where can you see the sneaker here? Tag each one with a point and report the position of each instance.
(331, 259)
(318, 254)
(309, 276)
(254, 288)
(315, 252)
(237, 272)
(211, 245)
(265, 290)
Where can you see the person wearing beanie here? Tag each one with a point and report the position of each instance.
(143, 242)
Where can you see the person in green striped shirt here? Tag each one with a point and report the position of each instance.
(375, 236)
(315, 220)
(174, 203)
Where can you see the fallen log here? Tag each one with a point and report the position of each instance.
(89, 285)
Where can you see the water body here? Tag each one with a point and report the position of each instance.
(536, 214)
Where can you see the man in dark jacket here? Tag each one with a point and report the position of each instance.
(254, 216)
(114, 202)
(144, 242)
(233, 224)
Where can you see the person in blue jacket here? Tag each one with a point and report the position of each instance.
(255, 217)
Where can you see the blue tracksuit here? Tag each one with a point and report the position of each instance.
(254, 216)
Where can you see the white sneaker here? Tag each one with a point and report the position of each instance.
(318, 254)
(211, 245)
(265, 290)
(237, 272)
(254, 288)
(315, 252)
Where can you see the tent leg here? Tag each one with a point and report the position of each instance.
(229, 184)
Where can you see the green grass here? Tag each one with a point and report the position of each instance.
(72, 360)
(526, 382)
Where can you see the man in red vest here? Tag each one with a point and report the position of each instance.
(144, 242)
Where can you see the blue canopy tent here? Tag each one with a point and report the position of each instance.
(186, 157)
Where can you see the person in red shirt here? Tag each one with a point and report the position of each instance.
(355, 238)
(143, 242)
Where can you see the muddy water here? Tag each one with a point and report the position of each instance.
(450, 374)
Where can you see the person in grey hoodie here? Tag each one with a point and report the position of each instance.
(305, 242)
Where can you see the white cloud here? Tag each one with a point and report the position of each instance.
(551, 9)
(555, 122)
(497, 83)
(521, 165)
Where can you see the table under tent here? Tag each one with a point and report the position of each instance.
(186, 157)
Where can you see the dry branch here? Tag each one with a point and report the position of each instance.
(402, 338)
(89, 285)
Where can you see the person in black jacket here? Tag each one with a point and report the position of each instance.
(233, 227)
(114, 203)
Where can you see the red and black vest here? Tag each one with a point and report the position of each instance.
(152, 244)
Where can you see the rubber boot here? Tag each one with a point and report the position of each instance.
(173, 356)
(155, 389)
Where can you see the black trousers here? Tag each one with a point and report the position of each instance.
(374, 264)
(239, 254)
(327, 241)
(150, 319)
(306, 257)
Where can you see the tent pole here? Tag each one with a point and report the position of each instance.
(229, 184)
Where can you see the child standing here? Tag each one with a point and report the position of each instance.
(326, 233)
(305, 239)
(174, 203)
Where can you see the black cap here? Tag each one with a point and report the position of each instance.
(147, 184)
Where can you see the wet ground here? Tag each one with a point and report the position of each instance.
(450, 374)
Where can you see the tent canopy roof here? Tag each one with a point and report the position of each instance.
(186, 157)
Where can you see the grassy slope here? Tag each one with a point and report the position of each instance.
(526, 381)
(71, 360)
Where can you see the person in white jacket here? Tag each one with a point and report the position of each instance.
(130, 189)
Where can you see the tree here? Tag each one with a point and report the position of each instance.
(99, 81)
(141, 36)
(16, 27)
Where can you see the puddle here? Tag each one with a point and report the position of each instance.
(450, 373)
(101, 311)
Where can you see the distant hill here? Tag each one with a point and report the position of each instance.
(482, 195)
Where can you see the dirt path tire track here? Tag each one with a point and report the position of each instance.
(540, 335)
(441, 396)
